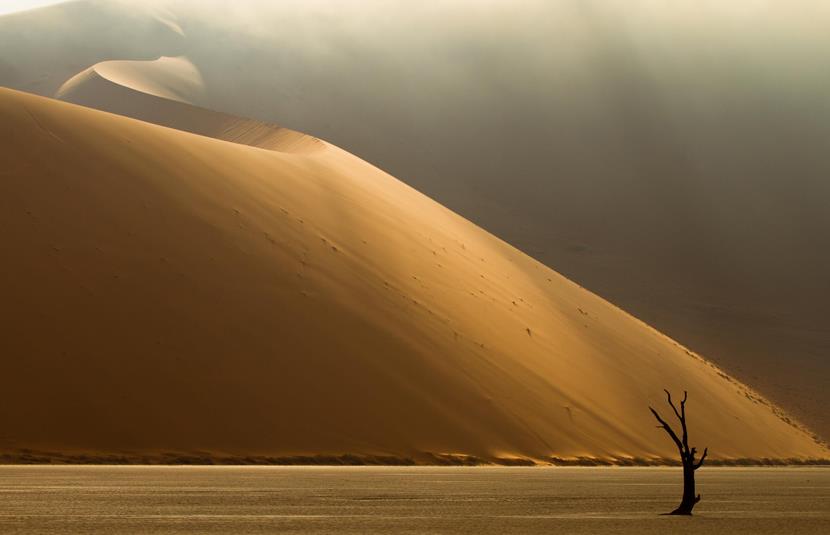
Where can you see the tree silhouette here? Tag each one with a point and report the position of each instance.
(687, 456)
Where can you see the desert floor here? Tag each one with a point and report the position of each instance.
(247, 500)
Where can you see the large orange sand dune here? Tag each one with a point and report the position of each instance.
(671, 157)
(168, 292)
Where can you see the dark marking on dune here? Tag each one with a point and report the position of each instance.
(41, 126)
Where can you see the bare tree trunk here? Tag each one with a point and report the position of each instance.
(689, 499)
(687, 456)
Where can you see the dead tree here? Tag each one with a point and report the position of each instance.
(687, 456)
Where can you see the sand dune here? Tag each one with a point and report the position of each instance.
(42, 48)
(172, 78)
(671, 158)
(161, 92)
(167, 292)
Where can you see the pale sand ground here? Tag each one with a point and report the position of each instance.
(309, 500)
(671, 158)
(168, 292)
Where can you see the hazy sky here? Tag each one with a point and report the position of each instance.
(8, 6)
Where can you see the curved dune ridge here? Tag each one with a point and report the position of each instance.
(42, 48)
(168, 293)
(174, 78)
(161, 92)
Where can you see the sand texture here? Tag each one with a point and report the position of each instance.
(169, 292)
(107, 500)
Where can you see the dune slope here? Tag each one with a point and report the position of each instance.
(166, 292)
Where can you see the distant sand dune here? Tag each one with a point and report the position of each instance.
(160, 92)
(168, 294)
(41, 49)
(167, 77)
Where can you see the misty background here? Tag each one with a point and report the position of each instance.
(673, 157)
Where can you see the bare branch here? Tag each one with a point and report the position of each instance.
(674, 408)
(702, 458)
(668, 429)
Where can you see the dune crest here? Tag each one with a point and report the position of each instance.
(173, 78)
(169, 292)
(43, 48)
(121, 87)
